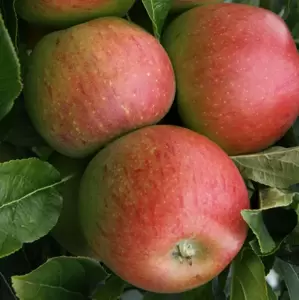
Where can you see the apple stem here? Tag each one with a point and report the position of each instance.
(184, 251)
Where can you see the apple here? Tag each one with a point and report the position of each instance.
(65, 13)
(90, 83)
(180, 5)
(67, 231)
(161, 207)
(237, 74)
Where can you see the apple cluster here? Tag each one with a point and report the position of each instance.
(158, 203)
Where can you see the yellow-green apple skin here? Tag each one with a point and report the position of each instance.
(66, 13)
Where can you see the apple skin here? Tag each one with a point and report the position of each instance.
(65, 13)
(90, 83)
(67, 231)
(236, 84)
(180, 5)
(156, 189)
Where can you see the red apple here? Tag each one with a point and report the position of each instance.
(161, 207)
(90, 83)
(65, 13)
(180, 5)
(237, 72)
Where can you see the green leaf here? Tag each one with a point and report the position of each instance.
(43, 152)
(290, 274)
(295, 33)
(60, 278)
(289, 253)
(277, 167)
(276, 6)
(202, 292)
(220, 284)
(17, 129)
(291, 15)
(10, 72)
(250, 188)
(29, 202)
(290, 246)
(158, 11)
(153, 296)
(111, 290)
(284, 295)
(248, 2)
(269, 198)
(248, 277)
(293, 238)
(271, 294)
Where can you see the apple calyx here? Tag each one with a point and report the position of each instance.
(185, 250)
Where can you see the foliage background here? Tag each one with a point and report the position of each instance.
(34, 266)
